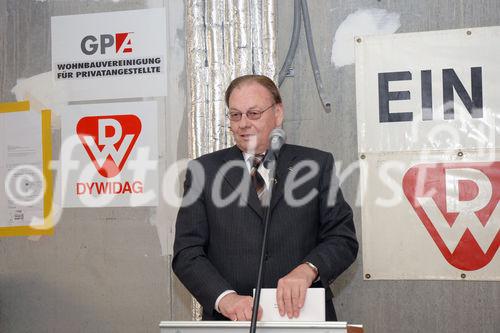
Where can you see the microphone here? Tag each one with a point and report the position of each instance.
(277, 139)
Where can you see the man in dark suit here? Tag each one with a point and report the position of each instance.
(220, 224)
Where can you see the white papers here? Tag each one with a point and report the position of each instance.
(21, 185)
(110, 55)
(313, 310)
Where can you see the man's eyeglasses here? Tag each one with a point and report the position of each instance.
(251, 114)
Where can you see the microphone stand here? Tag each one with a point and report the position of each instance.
(272, 163)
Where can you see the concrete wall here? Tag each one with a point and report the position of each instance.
(108, 270)
(382, 306)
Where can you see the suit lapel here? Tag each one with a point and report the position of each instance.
(285, 161)
(236, 175)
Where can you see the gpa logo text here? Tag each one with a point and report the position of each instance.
(120, 42)
(458, 205)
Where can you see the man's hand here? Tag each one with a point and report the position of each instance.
(237, 307)
(292, 289)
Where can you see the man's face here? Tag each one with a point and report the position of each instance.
(252, 136)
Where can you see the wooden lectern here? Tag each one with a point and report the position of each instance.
(262, 327)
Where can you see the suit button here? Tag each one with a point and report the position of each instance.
(266, 257)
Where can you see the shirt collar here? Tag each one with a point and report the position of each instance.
(248, 157)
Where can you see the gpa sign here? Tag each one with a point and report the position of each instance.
(110, 55)
(109, 155)
(427, 106)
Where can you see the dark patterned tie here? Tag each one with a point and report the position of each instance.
(257, 180)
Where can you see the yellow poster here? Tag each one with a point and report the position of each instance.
(25, 178)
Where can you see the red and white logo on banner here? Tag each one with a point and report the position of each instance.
(458, 205)
(109, 140)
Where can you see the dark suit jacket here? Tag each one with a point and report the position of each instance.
(218, 248)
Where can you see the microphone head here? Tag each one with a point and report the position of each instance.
(277, 138)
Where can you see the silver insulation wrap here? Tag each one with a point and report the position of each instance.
(224, 39)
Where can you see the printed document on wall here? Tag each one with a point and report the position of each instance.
(21, 187)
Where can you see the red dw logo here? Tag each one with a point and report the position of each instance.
(109, 140)
(458, 205)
